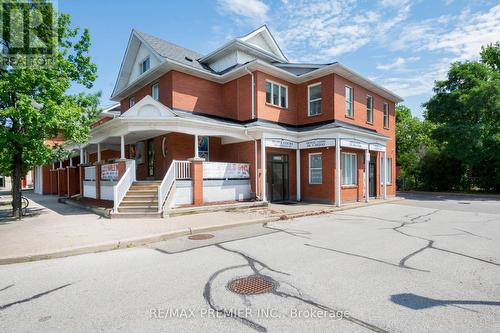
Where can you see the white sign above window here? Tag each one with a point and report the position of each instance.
(352, 143)
(377, 147)
(281, 143)
(317, 143)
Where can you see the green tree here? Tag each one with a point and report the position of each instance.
(466, 111)
(412, 142)
(34, 103)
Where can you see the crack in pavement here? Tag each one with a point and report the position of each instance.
(291, 232)
(472, 234)
(251, 262)
(365, 257)
(5, 306)
(5, 288)
(430, 242)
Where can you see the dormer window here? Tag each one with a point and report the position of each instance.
(145, 64)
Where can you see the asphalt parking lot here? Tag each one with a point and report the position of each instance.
(425, 264)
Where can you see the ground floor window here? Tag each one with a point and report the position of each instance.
(388, 174)
(349, 162)
(203, 147)
(315, 168)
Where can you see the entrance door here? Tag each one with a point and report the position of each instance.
(151, 158)
(372, 170)
(277, 180)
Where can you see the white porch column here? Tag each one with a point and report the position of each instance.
(256, 167)
(263, 167)
(122, 147)
(70, 161)
(384, 193)
(60, 164)
(98, 152)
(82, 156)
(196, 145)
(297, 153)
(367, 176)
(337, 171)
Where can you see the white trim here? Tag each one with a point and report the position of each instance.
(157, 85)
(297, 176)
(351, 101)
(371, 109)
(367, 175)
(386, 116)
(310, 168)
(315, 100)
(280, 85)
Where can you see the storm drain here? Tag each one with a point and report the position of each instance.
(200, 236)
(252, 285)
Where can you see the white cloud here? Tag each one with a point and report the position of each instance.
(461, 35)
(318, 30)
(398, 64)
(252, 11)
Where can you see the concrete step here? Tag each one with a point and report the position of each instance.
(142, 191)
(136, 197)
(138, 209)
(143, 187)
(149, 203)
(127, 215)
(146, 183)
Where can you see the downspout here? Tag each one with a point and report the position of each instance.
(253, 91)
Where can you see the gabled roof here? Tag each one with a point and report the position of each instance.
(259, 42)
(269, 59)
(172, 51)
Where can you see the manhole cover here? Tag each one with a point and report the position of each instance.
(200, 236)
(252, 285)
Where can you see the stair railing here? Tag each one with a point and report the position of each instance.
(123, 185)
(166, 184)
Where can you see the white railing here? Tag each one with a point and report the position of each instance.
(120, 189)
(166, 185)
(90, 173)
(182, 169)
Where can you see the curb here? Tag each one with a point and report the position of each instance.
(458, 194)
(104, 212)
(140, 241)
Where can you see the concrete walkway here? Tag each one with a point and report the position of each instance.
(57, 230)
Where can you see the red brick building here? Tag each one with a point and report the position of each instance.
(258, 126)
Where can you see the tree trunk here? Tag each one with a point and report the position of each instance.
(17, 209)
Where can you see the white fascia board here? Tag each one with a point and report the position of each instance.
(265, 67)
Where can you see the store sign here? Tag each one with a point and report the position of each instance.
(317, 143)
(220, 170)
(353, 144)
(109, 171)
(281, 143)
(377, 147)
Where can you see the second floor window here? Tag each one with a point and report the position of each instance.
(386, 115)
(369, 109)
(349, 111)
(155, 91)
(145, 64)
(131, 102)
(314, 99)
(276, 94)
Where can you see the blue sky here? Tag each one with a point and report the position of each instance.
(403, 45)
